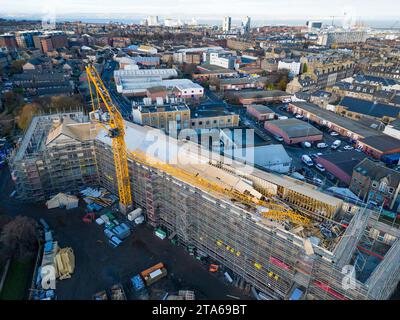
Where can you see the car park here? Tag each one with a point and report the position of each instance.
(320, 167)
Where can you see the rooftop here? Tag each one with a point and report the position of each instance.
(346, 160)
(370, 108)
(345, 123)
(261, 108)
(382, 142)
(295, 128)
(377, 171)
(261, 94)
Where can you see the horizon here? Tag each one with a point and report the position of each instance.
(185, 9)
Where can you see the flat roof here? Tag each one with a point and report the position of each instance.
(261, 108)
(262, 94)
(295, 128)
(210, 68)
(382, 142)
(338, 120)
(370, 108)
(346, 160)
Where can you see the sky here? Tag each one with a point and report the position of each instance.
(257, 9)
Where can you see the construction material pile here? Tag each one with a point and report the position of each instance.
(62, 200)
(96, 199)
(65, 263)
(182, 295)
(117, 292)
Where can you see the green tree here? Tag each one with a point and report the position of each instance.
(305, 68)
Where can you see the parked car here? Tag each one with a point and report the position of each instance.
(320, 167)
(298, 116)
(336, 144)
(278, 138)
(318, 181)
(305, 144)
(307, 160)
(348, 147)
(283, 117)
(308, 172)
(322, 145)
(315, 155)
(334, 133)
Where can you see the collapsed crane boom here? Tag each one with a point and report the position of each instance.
(116, 131)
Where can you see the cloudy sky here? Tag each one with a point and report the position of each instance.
(257, 9)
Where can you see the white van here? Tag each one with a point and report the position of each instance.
(307, 160)
(336, 144)
(283, 117)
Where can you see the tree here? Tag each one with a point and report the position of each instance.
(26, 114)
(19, 237)
(282, 84)
(305, 68)
(12, 101)
(67, 103)
(16, 66)
(270, 86)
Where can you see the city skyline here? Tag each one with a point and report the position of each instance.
(257, 9)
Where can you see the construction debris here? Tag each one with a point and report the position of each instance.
(182, 295)
(117, 292)
(63, 200)
(96, 199)
(102, 295)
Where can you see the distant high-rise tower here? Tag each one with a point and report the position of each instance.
(227, 24)
(152, 21)
(246, 24)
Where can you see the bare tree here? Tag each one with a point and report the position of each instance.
(19, 237)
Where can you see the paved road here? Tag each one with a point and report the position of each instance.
(98, 266)
(119, 100)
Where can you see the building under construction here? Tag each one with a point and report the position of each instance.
(203, 201)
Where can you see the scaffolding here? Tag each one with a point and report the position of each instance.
(255, 249)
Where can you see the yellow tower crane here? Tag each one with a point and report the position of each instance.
(106, 113)
(111, 119)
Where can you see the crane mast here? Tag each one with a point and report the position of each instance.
(112, 120)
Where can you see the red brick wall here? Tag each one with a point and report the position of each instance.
(336, 171)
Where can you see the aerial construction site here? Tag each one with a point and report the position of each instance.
(276, 233)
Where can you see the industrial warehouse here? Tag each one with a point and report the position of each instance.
(277, 233)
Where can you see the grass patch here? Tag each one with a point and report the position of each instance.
(18, 280)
